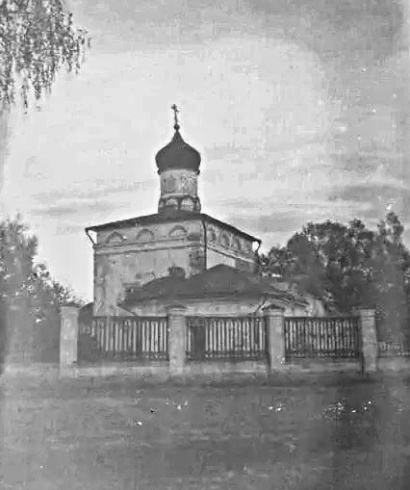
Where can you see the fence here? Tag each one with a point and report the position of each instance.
(124, 339)
(225, 338)
(209, 338)
(392, 342)
(322, 337)
(393, 349)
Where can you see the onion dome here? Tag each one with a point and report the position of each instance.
(178, 155)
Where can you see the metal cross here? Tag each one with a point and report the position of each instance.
(175, 109)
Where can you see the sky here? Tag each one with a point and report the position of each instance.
(300, 111)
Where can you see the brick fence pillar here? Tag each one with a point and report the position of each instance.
(176, 339)
(369, 340)
(275, 337)
(68, 335)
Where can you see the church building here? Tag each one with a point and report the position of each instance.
(177, 240)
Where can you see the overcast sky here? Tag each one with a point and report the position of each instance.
(300, 110)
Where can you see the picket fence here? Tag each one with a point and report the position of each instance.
(227, 338)
(393, 349)
(210, 338)
(124, 339)
(308, 337)
(392, 342)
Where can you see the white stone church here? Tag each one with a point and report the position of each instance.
(179, 237)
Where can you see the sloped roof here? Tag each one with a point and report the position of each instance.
(220, 281)
(86, 312)
(180, 215)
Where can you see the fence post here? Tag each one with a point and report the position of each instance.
(369, 340)
(275, 337)
(18, 335)
(176, 339)
(68, 335)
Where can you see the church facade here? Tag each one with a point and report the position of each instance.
(179, 238)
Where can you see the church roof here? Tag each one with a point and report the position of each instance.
(220, 281)
(178, 155)
(170, 217)
(86, 313)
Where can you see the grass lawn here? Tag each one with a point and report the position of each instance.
(110, 435)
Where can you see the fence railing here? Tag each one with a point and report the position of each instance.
(393, 336)
(225, 338)
(322, 338)
(393, 349)
(125, 338)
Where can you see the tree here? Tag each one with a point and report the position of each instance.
(345, 251)
(391, 272)
(349, 266)
(37, 38)
(30, 298)
(304, 265)
(275, 263)
(16, 255)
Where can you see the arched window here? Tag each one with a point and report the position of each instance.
(171, 203)
(211, 235)
(115, 238)
(248, 247)
(178, 232)
(145, 236)
(237, 244)
(187, 204)
(225, 240)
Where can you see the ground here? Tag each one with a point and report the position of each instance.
(108, 434)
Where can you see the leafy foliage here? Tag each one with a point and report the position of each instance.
(29, 298)
(349, 266)
(37, 38)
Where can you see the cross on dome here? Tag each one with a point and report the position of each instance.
(175, 109)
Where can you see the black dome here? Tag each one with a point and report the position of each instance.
(178, 155)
